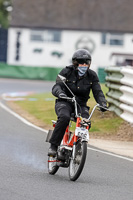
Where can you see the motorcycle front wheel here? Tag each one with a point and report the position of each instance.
(77, 163)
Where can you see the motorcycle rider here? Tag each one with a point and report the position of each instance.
(80, 79)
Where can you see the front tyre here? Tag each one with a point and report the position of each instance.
(52, 165)
(77, 164)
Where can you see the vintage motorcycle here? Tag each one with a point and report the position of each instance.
(73, 149)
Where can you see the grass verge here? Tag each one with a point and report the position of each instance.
(41, 106)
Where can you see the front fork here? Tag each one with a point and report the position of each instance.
(74, 152)
(75, 139)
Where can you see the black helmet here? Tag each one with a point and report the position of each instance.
(81, 56)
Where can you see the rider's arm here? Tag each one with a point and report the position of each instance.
(97, 92)
(59, 89)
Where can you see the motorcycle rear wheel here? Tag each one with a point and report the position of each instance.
(52, 165)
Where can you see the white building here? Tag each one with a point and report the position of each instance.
(46, 33)
(54, 48)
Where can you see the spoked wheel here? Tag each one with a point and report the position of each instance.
(52, 165)
(77, 164)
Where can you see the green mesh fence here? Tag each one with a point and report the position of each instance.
(23, 72)
(101, 75)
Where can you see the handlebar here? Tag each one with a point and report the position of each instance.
(69, 98)
(73, 99)
(97, 105)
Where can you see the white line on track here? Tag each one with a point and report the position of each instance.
(21, 118)
(38, 128)
(111, 154)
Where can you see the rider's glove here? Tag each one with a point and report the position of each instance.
(62, 95)
(104, 104)
(86, 122)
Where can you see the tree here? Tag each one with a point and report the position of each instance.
(5, 8)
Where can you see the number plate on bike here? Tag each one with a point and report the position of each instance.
(82, 132)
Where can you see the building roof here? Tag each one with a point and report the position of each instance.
(94, 15)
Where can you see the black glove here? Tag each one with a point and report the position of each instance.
(62, 95)
(104, 104)
(86, 122)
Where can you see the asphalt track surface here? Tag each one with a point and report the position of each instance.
(16, 85)
(23, 164)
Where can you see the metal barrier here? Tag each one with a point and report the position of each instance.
(119, 80)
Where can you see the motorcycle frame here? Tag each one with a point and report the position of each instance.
(74, 139)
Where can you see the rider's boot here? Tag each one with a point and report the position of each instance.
(52, 150)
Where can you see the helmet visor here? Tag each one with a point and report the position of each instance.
(82, 61)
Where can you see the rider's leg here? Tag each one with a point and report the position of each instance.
(63, 110)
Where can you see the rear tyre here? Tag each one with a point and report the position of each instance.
(52, 165)
(77, 164)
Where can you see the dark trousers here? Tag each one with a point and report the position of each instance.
(63, 110)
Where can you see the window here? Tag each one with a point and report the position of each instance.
(112, 39)
(36, 36)
(45, 36)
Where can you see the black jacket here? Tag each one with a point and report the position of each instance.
(80, 86)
